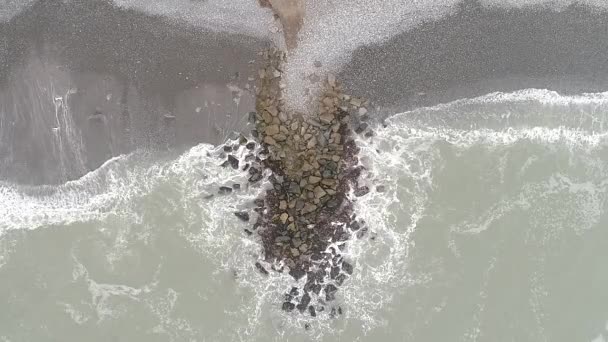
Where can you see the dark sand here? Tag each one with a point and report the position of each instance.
(160, 84)
(476, 51)
(153, 84)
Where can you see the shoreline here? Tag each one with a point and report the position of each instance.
(166, 89)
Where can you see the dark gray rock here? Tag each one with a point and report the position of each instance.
(252, 117)
(362, 191)
(288, 307)
(294, 188)
(242, 215)
(224, 190)
(233, 162)
(261, 268)
(346, 267)
(304, 302)
(330, 292)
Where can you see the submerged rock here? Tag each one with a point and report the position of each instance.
(224, 190)
(242, 215)
(261, 268)
(288, 307)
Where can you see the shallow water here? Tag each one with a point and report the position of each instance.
(492, 228)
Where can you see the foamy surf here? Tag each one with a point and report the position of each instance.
(143, 199)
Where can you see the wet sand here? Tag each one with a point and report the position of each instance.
(136, 81)
(480, 50)
(129, 80)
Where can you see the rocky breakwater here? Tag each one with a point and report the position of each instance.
(306, 218)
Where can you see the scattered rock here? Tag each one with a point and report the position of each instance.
(330, 292)
(224, 190)
(362, 191)
(242, 215)
(253, 117)
(346, 267)
(304, 302)
(288, 307)
(261, 268)
(233, 162)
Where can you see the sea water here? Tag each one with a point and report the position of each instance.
(491, 227)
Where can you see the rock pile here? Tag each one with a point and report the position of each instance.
(306, 217)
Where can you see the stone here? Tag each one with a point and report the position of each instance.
(362, 127)
(261, 268)
(242, 215)
(248, 232)
(300, 205)
(362, 191)
(281, 239)
(266, 117)
(314, 179)
(294, 188)
(233, 161)
(333, 203)
(330, 292)
(269, 140)
(307, 167)
(295, 252)
(284, 217)
(283, 205)
(304, 302)
(253, 117)
(288, 307)
(272, 130)
(347, 268)
(311, 143)
(334, 272)
(250, 146)
(303, 248)
(326, 118)
(319, 192)
(356, 102)
(273, 111)
(224, 190)
(309, 208)
(362, 111)
(283, 116)
(312, 311)
(340, 279)
(380, 188)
